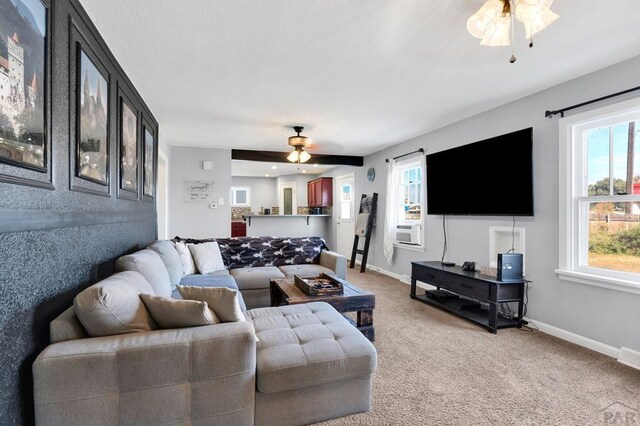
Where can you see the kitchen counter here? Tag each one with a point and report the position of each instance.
(286, 215)
(288, 225)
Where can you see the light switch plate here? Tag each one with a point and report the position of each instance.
(221, 201)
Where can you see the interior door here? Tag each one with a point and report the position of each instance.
(288, 200)
(346, 211)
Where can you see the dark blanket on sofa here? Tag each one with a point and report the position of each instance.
(244, 252)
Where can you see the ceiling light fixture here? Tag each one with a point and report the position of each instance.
(493, 23)
(298, 142)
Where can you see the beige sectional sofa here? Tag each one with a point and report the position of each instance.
(288, 365)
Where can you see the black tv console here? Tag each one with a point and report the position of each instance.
(472, 285)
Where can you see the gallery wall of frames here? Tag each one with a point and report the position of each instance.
(78, 159)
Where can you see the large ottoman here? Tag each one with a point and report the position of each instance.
(312, 365)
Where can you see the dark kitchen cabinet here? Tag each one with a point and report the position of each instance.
(320, 192)
(238, 229)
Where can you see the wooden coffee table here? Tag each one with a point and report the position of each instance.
(354, 299)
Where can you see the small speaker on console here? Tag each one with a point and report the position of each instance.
(509, 266)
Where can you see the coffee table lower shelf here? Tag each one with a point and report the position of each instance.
(478, 316)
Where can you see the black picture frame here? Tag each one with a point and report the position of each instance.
(149, 161)
(83, 88)
(125, 103)
(39, 99)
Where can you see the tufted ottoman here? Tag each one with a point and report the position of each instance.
(312, 365)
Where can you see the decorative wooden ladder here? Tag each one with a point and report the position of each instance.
(367, 205)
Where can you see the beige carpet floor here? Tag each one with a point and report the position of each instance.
(434, 368)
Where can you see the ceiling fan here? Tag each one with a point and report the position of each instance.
(299, 142)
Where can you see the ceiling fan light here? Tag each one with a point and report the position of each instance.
(480, 22)
(499, 35)
(535, 15)
(304, 156)
(293, 157)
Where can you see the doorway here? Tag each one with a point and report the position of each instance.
(346, 224)
(162, 196)
(287, 198)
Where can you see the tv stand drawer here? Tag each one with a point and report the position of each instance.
(468, 287)
(430, 276)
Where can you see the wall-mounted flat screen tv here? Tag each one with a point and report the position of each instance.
(493, 177)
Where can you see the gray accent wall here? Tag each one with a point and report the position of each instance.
(55, 242)
(196, 219)
(607, 316)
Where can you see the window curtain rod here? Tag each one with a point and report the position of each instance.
(404, 155)
(550, 114)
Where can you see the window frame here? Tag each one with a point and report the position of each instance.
(574, 200)
(402, 165)
(234, 191)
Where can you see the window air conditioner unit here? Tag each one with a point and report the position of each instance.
(409, 233)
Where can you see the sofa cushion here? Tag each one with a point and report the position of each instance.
(255, 278)
(188, 265)
(66, 326)
(207, 257)
(216, 279)
(113, 306)
(222, 300)
(306, 345)
(304, 270)
(172, 313)
(171, 259)
(147, 263)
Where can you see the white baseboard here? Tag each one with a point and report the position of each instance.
(623, 355)
(579, 340)
(629, 357)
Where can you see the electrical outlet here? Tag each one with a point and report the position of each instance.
(221, 201)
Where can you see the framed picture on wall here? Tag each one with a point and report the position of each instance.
(92, 141)
(148, 171)
(24, 33)
(128, 147)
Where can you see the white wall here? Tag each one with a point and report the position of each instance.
(197, 220)
(604, 315)
(301, 186)
(264, 191)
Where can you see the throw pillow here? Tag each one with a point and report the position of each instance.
(113, 306)
(207, 257)
(173, 313)
(187, 260)
(223, 301)
(149, 264)
(169, 255)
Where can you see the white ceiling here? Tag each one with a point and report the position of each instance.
(359, 75)
(262, 169)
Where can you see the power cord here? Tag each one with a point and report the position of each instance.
(513, 236)
(529, 325)
(504, 309)
(444, 232)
